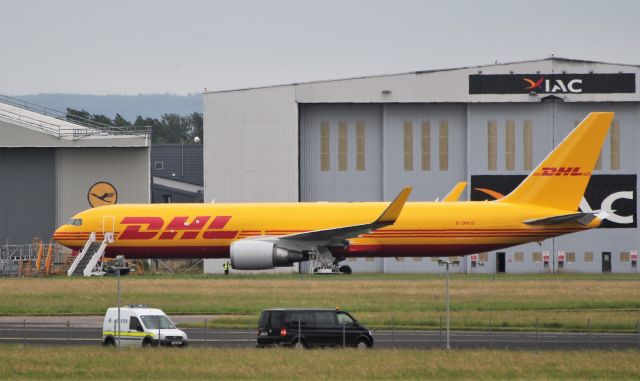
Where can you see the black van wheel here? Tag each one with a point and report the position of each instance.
(299, 344)
(146, 342)
(362, 344)
(109, 342)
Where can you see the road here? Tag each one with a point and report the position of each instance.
(87, 330)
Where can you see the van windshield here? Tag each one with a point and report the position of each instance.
(157, 322)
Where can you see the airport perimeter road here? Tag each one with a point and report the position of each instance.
(87, 331)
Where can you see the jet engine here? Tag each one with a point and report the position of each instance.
(261, 255)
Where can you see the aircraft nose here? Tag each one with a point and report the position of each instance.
(58, 235)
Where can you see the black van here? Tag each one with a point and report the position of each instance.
(311, 327)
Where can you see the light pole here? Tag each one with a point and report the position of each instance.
(119, 266)
(446, 263)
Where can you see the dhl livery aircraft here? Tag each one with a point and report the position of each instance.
(267, 235)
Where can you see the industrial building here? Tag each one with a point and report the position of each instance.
(363, 139)
(176, 173)
(52, 168)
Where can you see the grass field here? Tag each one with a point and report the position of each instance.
(81, 363)
(557, 302)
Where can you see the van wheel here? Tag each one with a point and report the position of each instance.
(147, 342)
(299, 344)
(362, 344)
(109, 342)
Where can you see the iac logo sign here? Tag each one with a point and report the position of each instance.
(553, 86)
(607, 205)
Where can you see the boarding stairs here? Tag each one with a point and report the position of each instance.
(86, 262)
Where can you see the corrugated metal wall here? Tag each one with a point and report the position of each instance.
(251, 140)
(127, 169)
(350, 183)
(433, 181)
(27, 194)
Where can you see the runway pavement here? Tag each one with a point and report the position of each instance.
(87, 330)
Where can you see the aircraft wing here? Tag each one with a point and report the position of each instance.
(337, 236)
(581, 218)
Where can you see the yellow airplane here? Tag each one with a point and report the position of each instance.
(267, 235)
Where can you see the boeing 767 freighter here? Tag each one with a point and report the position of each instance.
(266, 235)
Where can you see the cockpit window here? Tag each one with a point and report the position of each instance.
(75, 222)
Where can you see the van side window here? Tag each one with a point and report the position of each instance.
(305, 318)
(325, 318)
(276, 320)
(134, 324)
(345, 319)
(264, 319)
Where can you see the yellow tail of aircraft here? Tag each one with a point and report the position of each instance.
(267, 235)
(562, 177)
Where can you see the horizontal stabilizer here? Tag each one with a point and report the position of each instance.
(581, 218)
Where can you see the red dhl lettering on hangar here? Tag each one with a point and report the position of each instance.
(561, 171)
(178, 228)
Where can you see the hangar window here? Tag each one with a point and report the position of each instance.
(536, 257)
(624, 256)
(599, 161)
(369, 259)
(483, 257)
(324, 146)
(353, 259)
(360, 147)
(492, 145)
(518, 257)
(570, 256)
(510, 145)
(615, 145)
(417, 259)
(158, 165)
(408, 145)
(588, 256)
(444, 145)
(426, 145)
(527, 145)
(342, 146)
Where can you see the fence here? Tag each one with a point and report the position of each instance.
(88, 331)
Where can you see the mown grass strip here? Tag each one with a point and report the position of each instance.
(566, 302)
(81, 363)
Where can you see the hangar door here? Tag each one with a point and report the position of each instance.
(340, 152)
(27, 195)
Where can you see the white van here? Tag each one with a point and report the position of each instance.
(140, 326)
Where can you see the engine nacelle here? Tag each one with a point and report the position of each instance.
(253, 254)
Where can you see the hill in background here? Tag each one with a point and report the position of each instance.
(129, 106)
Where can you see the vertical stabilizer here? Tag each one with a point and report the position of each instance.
(560, 180)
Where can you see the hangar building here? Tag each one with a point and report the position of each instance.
(51, 168)
(363, 139)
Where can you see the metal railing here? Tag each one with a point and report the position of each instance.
(87, 127)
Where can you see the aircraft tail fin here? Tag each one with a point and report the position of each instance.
(560, 180)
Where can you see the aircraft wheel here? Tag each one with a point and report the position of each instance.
(345, 270)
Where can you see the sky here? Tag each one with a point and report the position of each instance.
(152, 46)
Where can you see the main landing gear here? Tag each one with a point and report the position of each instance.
(321, 261)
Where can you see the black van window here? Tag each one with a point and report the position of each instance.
(345, 319)
(264, 319)
(276, 320)
(134, 324)
(325, 318)
(305, 317)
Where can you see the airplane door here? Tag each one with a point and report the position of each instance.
(606, 262)
(108, 224)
